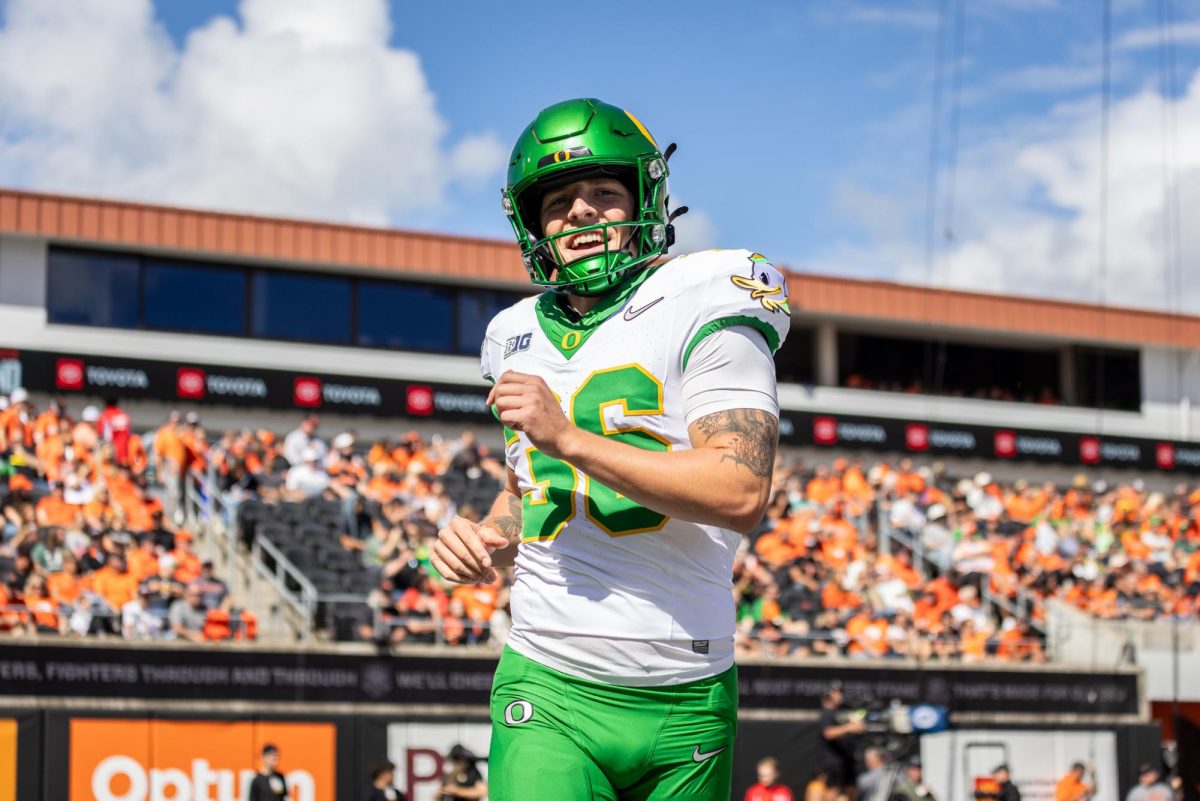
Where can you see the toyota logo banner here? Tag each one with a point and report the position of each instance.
(924, 437)
(242, 386)
(388, 397)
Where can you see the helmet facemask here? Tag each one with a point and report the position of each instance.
(647, 237)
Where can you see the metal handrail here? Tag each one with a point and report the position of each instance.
(912, 542)
(305, 604)
(207, 513)
(385, 624)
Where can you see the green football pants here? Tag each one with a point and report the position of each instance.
(559, 738)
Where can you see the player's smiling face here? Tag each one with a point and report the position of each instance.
(589, 201)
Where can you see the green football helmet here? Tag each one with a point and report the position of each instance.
(579, 139)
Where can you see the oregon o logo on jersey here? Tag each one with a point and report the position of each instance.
(518, 712)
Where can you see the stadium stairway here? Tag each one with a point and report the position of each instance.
(279, 619)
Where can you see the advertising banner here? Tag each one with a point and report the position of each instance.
(166, 760)
(215, 674)
(1004, 443)
(957, 762)
(419, 751)
(199, 383)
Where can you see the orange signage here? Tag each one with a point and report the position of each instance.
(166, 760)
(8, 759)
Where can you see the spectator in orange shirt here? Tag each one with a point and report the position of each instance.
(908, 480)
(187, 563)
(15, 508)
(143, 560)
(85, 434)
(51, 452)
(1072, 787)
(169, 455)
(782, 544)
(44, 618)
(115, 584)
(138, 458)
(900, 564)
(99, 514)
(55, 417)
(53, 510)
(821, 487)
(868, 636)
(16, 427)
(974, 641)
(65, 586)
(855, 484)
(1191, 570)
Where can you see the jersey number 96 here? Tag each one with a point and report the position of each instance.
(551, 502)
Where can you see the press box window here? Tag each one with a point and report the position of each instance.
(87, 288)
(310, 308)
(476, 308)
(179, 296)
(405, 316)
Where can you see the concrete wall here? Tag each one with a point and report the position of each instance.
(1078, 638)
(23, 272)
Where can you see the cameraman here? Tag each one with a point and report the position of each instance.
(837, 739)
(463, 780)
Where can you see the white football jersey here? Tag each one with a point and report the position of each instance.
(605, 588)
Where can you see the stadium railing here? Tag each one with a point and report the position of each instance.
(890, 535)
(215, 523)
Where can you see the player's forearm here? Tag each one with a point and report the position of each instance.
(505, 515)
(713, 485)
(505, 518)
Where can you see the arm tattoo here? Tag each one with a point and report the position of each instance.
(751, 438)
(509, 524)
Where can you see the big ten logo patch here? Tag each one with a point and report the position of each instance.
(517, 344)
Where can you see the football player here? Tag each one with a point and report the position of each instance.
(638, 400)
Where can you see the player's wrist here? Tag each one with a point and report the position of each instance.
(569, 443)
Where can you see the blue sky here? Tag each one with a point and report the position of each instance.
(804, 127)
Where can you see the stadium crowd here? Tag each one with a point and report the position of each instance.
(92, 542)
(85, 546)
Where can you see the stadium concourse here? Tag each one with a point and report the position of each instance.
(93, 543)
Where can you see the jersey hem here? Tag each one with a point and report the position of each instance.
(533, 652)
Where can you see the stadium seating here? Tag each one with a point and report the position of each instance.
(88, 548)
(854, 559)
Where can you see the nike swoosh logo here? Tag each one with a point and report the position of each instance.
(700, 757)
(631, 312)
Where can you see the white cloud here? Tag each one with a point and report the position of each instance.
(1049, 78)
(1181, 33)
(891, 16)
(1028, 216)
(298, 107)
(922, 16)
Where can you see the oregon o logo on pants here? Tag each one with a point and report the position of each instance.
(518, 712)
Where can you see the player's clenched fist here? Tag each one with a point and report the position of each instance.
(463, 551)
(526, 404)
